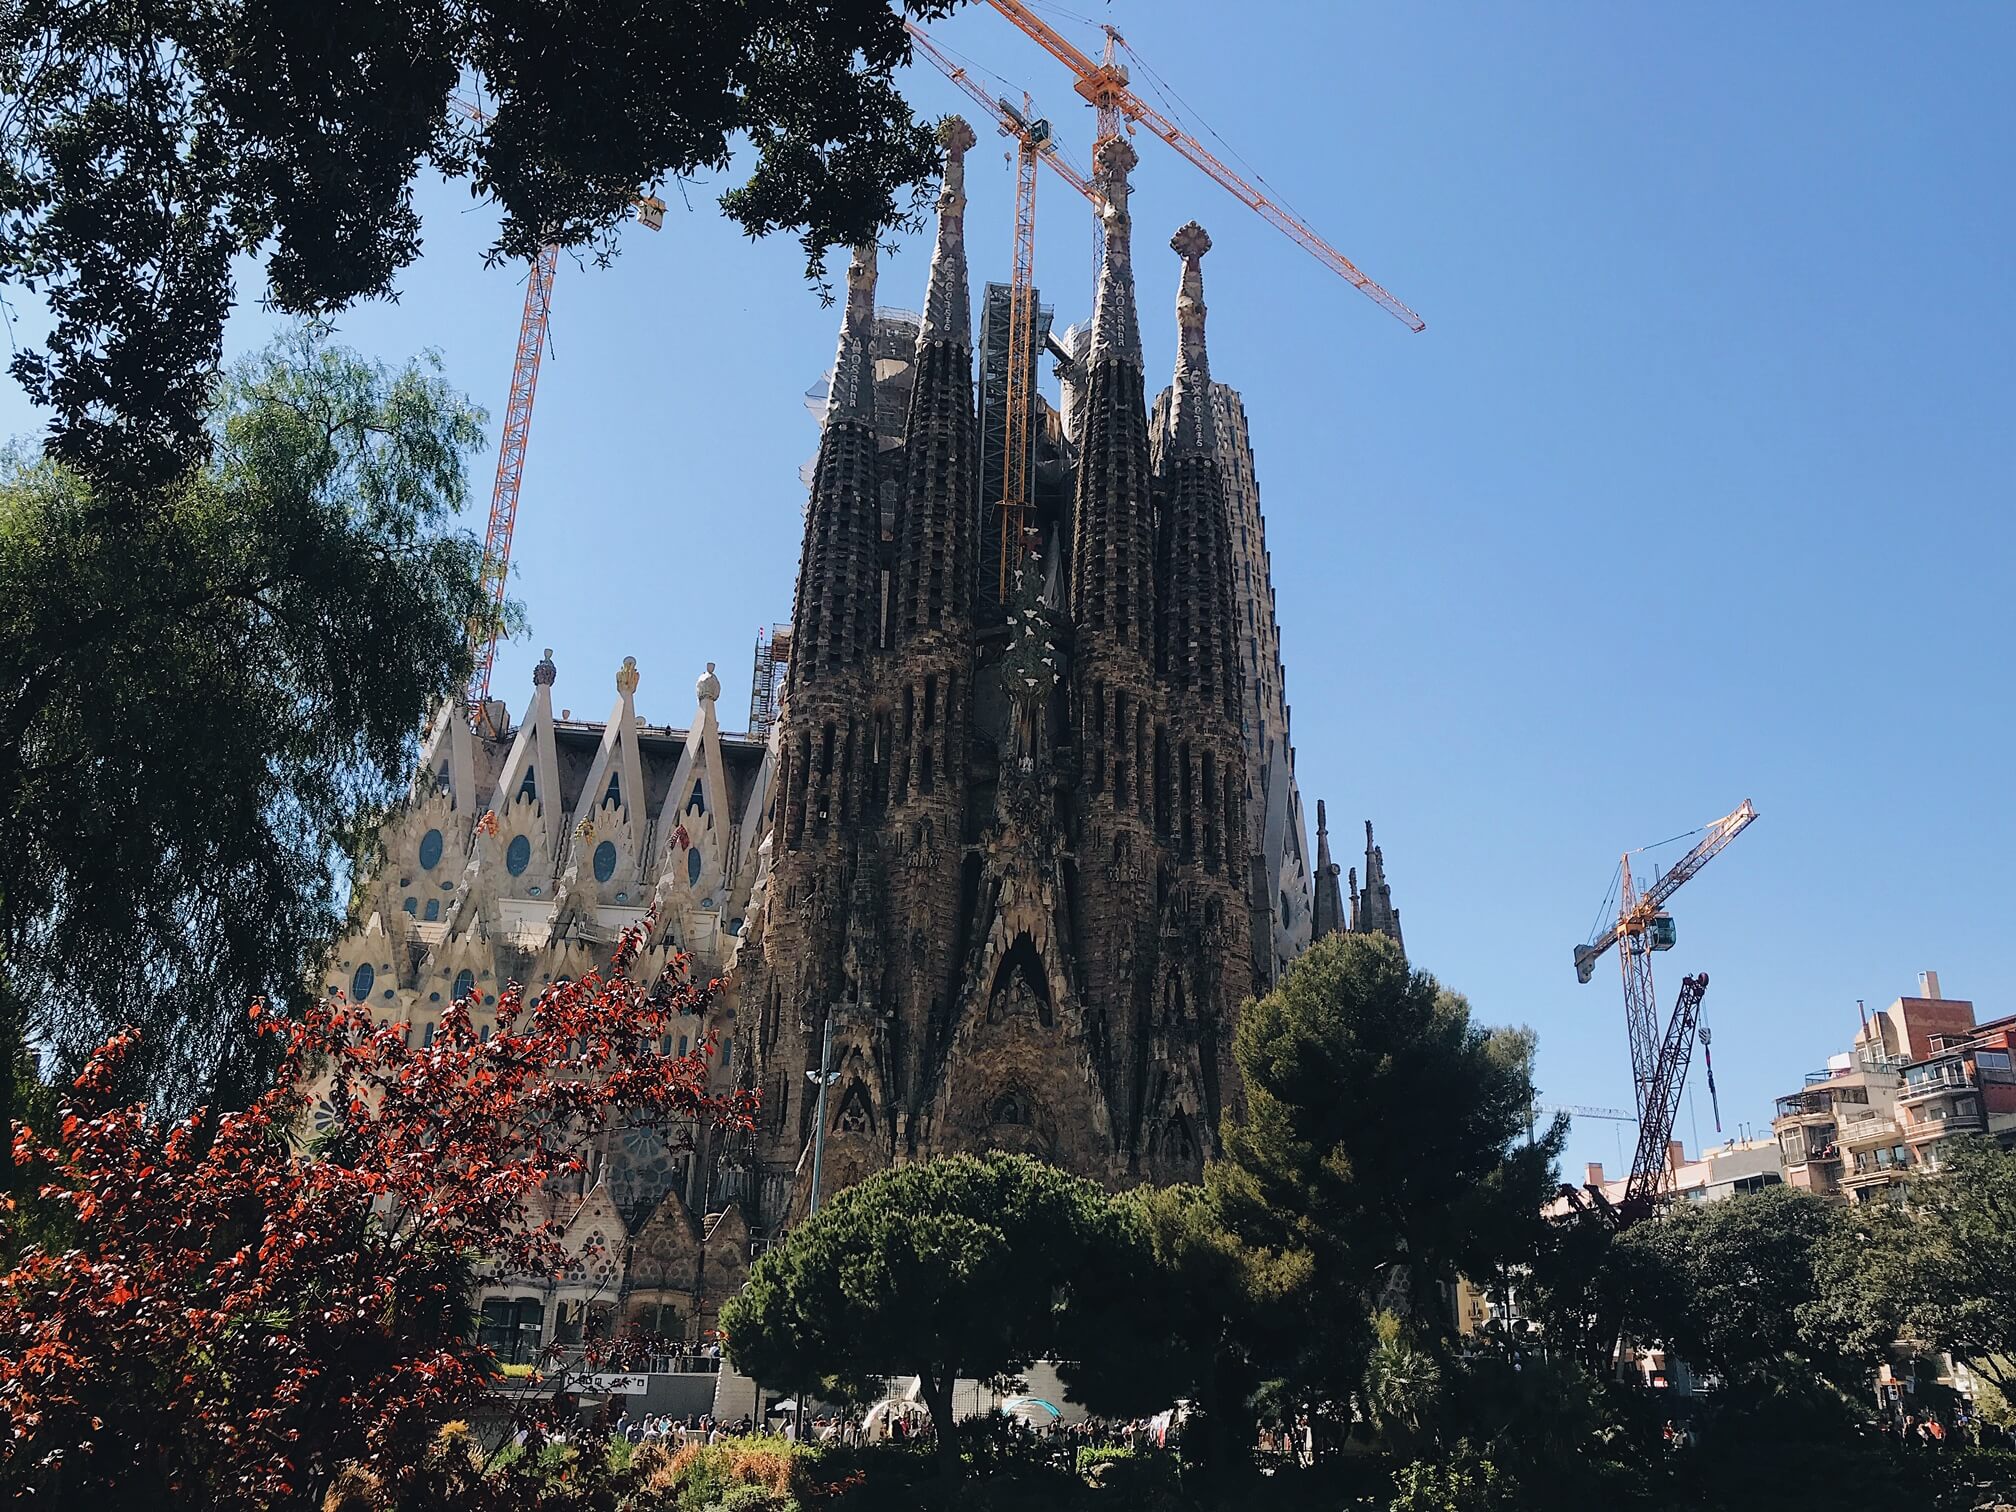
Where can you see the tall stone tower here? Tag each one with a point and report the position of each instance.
(1016, 849)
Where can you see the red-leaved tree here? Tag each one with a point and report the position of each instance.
(238, 1310)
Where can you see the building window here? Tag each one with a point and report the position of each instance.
(427, 1036)
(433, 910)
(517, 855)
(727, 1052)
(411, 905)
(614, 792)
(1993, 1060)
(693, 865)
(529, 788)
(360, 983)
(698, 802)
(605, 860)
(465, 983)
(430, 850)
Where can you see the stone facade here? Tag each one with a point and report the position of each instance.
(1017, 849)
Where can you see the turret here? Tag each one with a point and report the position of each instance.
(931, 605)
(1329, 915)
(1112, 547)
(1198, 629)
(836, 619)
(1112, 577)
(1372, 910)
(935, 523)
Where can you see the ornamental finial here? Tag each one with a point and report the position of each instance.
(1192, 425)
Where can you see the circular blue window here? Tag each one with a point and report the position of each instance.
(605, 860)
(430, 850)
(360, 983)
(465, 983)
(693, 864)
(517, 855)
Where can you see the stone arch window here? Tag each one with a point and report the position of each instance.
(432, 912)
(856, 1117)
(614, 792)
(693, 867)
(698, 800)
(430, 850)
(411, 905)
(605, 860)
(1011, 1107)
(465, 983)
(427, 1036)
(361, 981)
(518, 854)
(529, 788)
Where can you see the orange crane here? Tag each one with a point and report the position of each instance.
(1105, 84)
(1643, 926)
(511, 444)
(1033, 142)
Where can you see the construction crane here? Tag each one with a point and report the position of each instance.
(1651, 1171)
(1106, 85)
(1643, 926)
(511, 444)
(1034, 142)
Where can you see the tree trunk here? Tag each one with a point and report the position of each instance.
(937, 1388)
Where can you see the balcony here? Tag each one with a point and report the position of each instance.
(1932, 1081)
(1942, 1123)
(1808, 1104)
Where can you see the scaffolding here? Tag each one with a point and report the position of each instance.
(766, 684)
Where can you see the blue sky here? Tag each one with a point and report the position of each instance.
(1697, 488)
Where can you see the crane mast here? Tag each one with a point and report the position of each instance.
(1642, 926)
(512, 442)
(1030, 140)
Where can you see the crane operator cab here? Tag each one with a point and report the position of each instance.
(1659, 934)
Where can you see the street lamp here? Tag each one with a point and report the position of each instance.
(823, 1078)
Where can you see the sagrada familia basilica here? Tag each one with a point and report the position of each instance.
(1022, 838)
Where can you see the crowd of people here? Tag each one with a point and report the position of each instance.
(677, 1432)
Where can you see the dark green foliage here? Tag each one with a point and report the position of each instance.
(203, 699)
(1425, 1166)
(1722, 1283)
(1951, 1281)
(148, 144)
(960, 1266)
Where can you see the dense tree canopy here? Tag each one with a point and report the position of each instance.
(145, 146)
(1425, 1166)
(964, 1266)
(199, 700)
(1723, 1283)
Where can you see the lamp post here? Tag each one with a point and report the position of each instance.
(825, 1076)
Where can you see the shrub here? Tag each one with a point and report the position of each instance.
(1462, 1482)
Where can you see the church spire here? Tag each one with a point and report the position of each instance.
(852, 396)
(1329, 915)
(1375, 913)
(1112, 548)
(836, 617)
(1191, 426)
(1198, 632)
(931, 587)
(1116, 329)
(948, 313)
